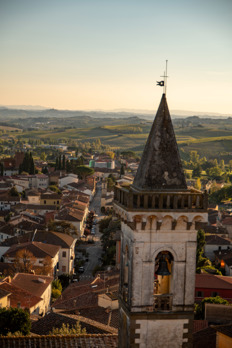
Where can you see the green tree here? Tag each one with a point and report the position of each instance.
(194, 157)
(59, 163)
(28, 164)
(1, 169)
(83, 171)
(196, 171)
(203, 263)
(54, 188)
(122, 170)
(104, 223)
(198, 184)
(230, 165)
(13, 320)
(200, 245)
(222, 165)
(14, 192)
(65, 280)
(56, 284)
(55, 294)
(67, 330)
(63, 162)
(214, 172)
(43, 156)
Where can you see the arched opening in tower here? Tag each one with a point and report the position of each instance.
(163, 281)
(163, 273)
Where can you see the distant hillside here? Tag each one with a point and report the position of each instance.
(26, 112)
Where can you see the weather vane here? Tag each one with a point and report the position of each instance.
(163, 83)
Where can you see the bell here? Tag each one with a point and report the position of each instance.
(163, 268)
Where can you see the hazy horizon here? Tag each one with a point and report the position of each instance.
(184, 113)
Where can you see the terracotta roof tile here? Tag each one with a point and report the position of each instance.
(32, 283)
(213, 239)
(205, 338)
(55, 238)
(225, 329)
(4, 293)
(50, 196)
(227, 221)
(55, 320)
(200, 325)
(211, 281)
(26, 299)
(38, 249)
(101, 315)
(85, 294)
(81, 341)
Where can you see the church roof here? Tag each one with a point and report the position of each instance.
(160, 166)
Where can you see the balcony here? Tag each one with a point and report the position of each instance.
(190, 199)
(163, 302)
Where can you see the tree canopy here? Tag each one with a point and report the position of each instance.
(27, 164)
(67, 330)
(83, 171)
(13, 320)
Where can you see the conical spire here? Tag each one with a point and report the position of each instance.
(160, 166)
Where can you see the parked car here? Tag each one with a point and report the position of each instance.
(81, 269)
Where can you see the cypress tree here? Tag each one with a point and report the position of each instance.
(63, 164)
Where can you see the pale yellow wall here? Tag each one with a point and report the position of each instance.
(4, 301)
(50, 201)
(223, 341)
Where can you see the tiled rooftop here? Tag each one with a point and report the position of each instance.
(32, 283)
(18, 295)
(211, 281)
(81, 341)
(55, 320)
(38, 249)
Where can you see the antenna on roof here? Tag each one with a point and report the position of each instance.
(163, 83)
(165, 76)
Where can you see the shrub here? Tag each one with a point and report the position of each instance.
(56, 293)
(14, 320)
(66, 330)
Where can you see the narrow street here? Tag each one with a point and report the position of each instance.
(94, 250)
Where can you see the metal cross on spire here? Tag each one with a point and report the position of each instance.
(163, 83)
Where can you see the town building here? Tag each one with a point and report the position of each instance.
(158, 245)
(210, 285)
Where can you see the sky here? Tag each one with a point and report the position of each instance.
(108, 54)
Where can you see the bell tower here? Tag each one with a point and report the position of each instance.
(159, 216)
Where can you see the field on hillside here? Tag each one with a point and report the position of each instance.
(211, 138)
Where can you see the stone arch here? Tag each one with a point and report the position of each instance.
(152, 222)
(138, 221)
(198, 218)
(163, 279)
(166, 223)
(165, 248)
(181, 223)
